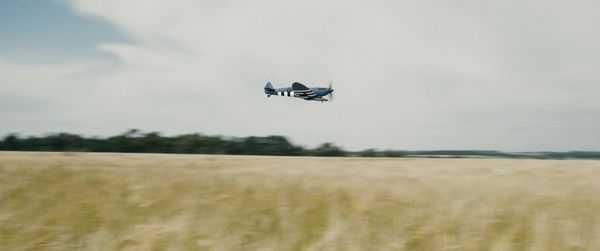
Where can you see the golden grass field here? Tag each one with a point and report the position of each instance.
(93, 201)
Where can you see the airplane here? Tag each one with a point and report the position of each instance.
(300, 91)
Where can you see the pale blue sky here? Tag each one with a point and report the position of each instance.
(44, 29)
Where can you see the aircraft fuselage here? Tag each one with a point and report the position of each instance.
(299, 91)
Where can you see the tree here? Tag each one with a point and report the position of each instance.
(11, 142)
(368, 153)
(328, 149)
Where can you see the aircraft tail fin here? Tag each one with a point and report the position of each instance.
(269, 87)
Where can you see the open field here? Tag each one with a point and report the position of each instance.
(83, 201)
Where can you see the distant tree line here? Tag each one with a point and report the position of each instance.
(134, 141)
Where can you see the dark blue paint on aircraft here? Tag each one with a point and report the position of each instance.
(300, 91)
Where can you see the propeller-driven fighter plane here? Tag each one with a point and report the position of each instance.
(300, 91)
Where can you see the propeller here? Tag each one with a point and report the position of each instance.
(331, 90)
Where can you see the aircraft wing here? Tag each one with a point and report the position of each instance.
(301, 91)
(305, 94)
